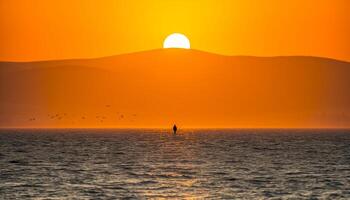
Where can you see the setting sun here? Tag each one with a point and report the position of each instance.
(177, 40)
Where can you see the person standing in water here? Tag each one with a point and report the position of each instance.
(174, 128)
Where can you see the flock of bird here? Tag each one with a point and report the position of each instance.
(100, 118)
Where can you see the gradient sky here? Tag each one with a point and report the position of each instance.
(45, 30)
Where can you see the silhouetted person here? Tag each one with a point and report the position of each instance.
(174, 128)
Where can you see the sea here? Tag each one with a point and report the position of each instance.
(156, 164)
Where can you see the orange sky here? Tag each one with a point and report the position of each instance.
(190, 87)
(44, 30)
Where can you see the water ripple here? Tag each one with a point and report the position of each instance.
(143, 164)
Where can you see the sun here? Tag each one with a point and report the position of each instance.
(177, 40)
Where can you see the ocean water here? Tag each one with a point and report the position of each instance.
(195, 164)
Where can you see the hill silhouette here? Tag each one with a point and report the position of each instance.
(155, 88)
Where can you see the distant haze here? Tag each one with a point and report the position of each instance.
(161, 87)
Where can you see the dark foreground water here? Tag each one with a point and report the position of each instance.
(143, 164)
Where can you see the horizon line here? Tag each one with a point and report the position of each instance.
(186, 128)
(167, 49)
